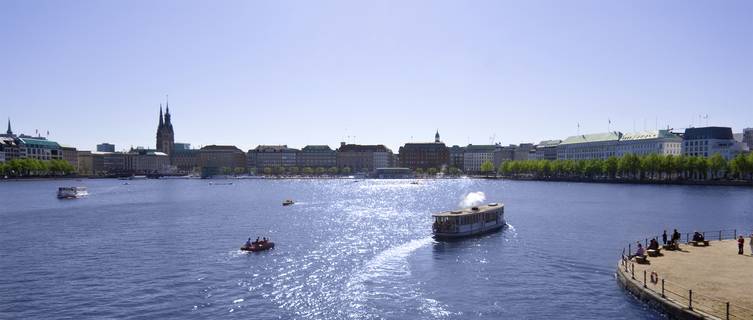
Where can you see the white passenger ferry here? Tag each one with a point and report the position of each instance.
(72, 192)
(470, 221)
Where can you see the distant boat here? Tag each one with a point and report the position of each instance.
(72, 192)
(414, 182)
(469, 222)
(288, 202)
(258, 246)
(220, 183)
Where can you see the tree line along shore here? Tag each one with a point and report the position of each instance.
(649, 168)
(28, 167)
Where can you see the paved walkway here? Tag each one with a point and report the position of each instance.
(716, 274)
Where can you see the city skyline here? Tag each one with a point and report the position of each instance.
(298, 74)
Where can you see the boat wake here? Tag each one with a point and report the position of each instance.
(384, 280)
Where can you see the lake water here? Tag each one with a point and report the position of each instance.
(159, 249)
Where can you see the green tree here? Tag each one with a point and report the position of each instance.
(332, 171)
(294, 170)
(345, 170)
(227, 170)
(267, 170)
(279, 170)
(454, 171)
(432, 171)
(487, 167)
(320, 171)
(717, 166)
(239, 171)
(419, 171)
(610, 167)
(308, 171)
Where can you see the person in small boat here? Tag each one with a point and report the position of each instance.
(248, 242)
(257, 240)
(264, 240)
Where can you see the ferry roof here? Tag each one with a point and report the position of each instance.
(469, 211)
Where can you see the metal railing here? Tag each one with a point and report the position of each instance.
(684, 296)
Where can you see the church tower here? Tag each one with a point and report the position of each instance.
(165, 134)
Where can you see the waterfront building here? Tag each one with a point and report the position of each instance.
(588, 146)
(316, 156)
(70, 154)
(105, 147)
(662, 142)
(271, 156)
(109, 163)
(475, 155)
(456, 157)
(185, 160)
(748, 138)
(393, 173)
(213, 159)
(363, 158)
(425, 155)
(522, 151)
(545, 150)
(85, 163)
(39, 148)
(165, 133)
(707, 141)
(146, 161)
(10, 148)
(503, 154)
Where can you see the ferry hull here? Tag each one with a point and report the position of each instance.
(469, 233)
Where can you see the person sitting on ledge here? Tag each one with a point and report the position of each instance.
(697, 236)
(653, 245)
(640, 252)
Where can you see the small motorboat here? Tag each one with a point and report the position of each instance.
(258, 246)
(287, 202)
(72, 192)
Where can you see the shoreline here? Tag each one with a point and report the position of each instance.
(710, 183)
(715, 183)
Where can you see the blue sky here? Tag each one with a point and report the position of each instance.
(318, 72)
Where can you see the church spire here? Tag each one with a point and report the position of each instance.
(167, 104)
(436, 137)
(160, 116)
(9, 130)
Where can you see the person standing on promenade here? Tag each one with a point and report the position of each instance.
(664, 237)
(740, 243)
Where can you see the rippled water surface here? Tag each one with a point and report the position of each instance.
(346, 250)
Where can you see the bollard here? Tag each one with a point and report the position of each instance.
(644, 279)
(632, 270)
(662, 289)
(645, 243)
(630, 249)
(687, 237)
(735, 237)
(690, 299)
(720, 235)
(727, 310)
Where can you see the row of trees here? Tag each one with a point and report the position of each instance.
(632, 167)
(35, 168)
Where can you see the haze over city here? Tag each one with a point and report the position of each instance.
(298, 73)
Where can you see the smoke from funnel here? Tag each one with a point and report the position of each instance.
(472, 199)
